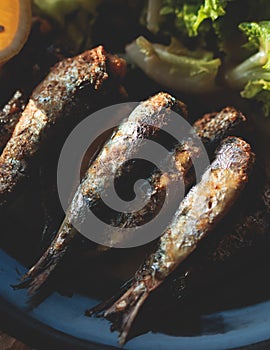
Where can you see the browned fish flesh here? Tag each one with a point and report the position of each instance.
(52, 100)
(198, 214)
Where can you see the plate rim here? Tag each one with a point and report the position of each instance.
(37, 334)
(20, 325)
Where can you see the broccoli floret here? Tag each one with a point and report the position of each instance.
(252, 76)
(191, 14)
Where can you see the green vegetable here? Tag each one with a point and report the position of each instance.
(208, 54)
(211, 33)
(210, 9)
(260, 90)
(191, 14)
(252, 76)
(175, 66)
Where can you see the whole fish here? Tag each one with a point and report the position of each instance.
(219, 124)
(198, 214)
(56, 97)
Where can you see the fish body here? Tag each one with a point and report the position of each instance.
(231, 246)
(55, 98)
(198, 214)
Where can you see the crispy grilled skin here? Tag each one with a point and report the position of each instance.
(123, 144)
(54, 98)
(211, 127)
(10, 115)
(198, 214)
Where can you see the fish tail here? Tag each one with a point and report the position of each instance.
(98, 310)
(123, 310)
(38, 275)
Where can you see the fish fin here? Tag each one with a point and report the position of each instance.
(98, 310)
(123, 311)
(129, 314)
(38, 275)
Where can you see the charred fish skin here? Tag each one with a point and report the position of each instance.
(10, 115)
(211, 127)
(121, 146)
(52, 100)
(198, 214)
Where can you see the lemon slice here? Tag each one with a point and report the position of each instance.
(15, 24)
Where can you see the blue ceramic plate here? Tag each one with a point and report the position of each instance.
(60, 322)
